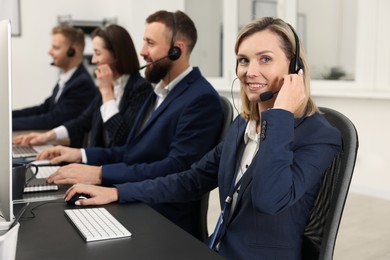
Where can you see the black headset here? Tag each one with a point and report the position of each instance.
(296, 63)
(174, 52)
(71, 50)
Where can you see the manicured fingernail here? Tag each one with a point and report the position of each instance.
(77, 203)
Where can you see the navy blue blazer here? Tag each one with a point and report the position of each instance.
(277, 190)
(115, 131)
(78, 93)
(179, 132)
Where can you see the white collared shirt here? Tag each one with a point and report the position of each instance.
(162, 91)
(107, 110)
(161, 95)
(252, 142)
(111, 108)
(64, 77)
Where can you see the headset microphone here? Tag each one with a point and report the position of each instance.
(267, 95)
(141, 68)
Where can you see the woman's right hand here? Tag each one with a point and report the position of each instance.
(292, 93)
(59, 154)
(105, 77)
(34, 138)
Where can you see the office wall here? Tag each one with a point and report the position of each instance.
(207, 53)
(371, 118)
(338, 44)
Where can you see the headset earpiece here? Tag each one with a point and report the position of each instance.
(296, 63)
(174, 52)
(70, 52)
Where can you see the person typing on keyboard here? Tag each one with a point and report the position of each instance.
(179, 122)
(108, 119)
(270, 165)
(74, 90)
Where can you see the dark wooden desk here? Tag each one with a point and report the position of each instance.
(50, 235)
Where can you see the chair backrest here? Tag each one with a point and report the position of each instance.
(228, 118)
(228, 115)
(321, 232)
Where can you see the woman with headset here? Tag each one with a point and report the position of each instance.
(269, 166)
(109, 118)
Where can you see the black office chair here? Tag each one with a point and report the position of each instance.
(228, 118)
(228, 115)
(320, 235)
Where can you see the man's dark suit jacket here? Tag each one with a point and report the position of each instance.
(184, 127)
(115, 131)
(77, 95)
(277, 191)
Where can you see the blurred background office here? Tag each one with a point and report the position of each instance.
(348, 46)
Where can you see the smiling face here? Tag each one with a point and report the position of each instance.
(261, 64)
(58, 50)
(101, 55)
(156, 46)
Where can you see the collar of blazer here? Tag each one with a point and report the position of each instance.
(181, 87)
(80, 69)
(246, 179)
(236, 147)
(248, 176)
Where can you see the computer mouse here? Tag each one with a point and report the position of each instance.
(76, 197)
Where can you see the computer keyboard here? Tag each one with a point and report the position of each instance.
(38, 183)
(23, 151)
(95, 224)
(45, 171)
(40, 187)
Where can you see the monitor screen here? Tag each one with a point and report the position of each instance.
(6, 206)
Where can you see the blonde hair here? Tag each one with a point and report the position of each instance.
(250, 110)
(74, 36)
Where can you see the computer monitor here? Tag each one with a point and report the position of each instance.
(6, 205)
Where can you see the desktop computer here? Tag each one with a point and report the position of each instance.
(8, 229)
(6, 206)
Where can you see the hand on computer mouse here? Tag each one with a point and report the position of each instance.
(78, 196)
(98, 195)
